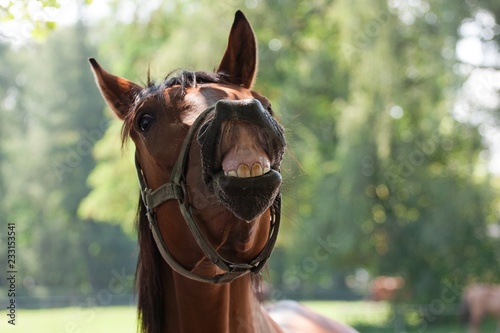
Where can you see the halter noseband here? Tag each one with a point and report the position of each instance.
(176, 189)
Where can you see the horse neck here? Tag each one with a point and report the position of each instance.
(192, 306)
(170, 302)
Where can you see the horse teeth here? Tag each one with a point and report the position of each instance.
(243, 171)
(256, 169)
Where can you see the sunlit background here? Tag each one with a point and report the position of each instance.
(392, 113)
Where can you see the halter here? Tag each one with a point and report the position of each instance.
(176, 189)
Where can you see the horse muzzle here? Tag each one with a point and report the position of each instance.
(242, 147)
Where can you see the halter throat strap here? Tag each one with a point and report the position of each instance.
(176, 189)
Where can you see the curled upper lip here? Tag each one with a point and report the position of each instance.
(243, 150)
(240, 132)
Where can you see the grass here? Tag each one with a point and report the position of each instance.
(353, 313)
(73, 320)
(376, 317)
(366, 317)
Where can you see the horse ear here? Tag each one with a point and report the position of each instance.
(240, 59)
(119, 93)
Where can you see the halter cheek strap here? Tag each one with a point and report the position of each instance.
(176, 189)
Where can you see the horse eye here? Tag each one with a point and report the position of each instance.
(145, 121)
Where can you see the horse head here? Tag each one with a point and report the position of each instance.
(208, 154)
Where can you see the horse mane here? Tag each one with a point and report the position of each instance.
(148, 277)
(183, 78)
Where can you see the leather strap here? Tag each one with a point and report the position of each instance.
(163, 193)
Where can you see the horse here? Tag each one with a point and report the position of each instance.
(208, 151)
(479, 301)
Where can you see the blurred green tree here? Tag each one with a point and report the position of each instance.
(390, 175)
(58, 118)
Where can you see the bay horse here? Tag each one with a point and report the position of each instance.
(208, 154)
(479, 301)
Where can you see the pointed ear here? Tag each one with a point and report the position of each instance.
(119, 93)
(240, 59)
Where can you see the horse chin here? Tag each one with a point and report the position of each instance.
(247, 198)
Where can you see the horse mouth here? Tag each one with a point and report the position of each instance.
(243, 151)
(241, 155)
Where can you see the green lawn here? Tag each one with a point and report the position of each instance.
(376, 317)
(367, 317)
(353, 313)
(73, 320)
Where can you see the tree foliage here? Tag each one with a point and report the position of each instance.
(46, 159)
